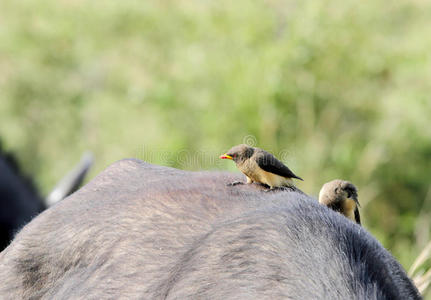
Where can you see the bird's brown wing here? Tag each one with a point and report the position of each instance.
(269, 163)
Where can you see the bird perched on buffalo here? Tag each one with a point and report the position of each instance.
(260, 166)
(341, 196)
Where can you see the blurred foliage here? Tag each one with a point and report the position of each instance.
(341, 88)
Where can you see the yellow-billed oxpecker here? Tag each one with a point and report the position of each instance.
(341, 196)
(260, 166)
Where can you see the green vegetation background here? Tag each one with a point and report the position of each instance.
(337, 89)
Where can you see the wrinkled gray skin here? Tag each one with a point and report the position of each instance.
(139, 231)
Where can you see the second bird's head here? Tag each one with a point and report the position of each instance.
(238, 153)
(337, 191)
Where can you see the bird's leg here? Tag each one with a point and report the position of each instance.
(235, 183)
(270, 189)
(249, 181)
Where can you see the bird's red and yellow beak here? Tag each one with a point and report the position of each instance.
(225, 156)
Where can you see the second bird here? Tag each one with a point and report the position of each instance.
(260, 166)
(341, 196)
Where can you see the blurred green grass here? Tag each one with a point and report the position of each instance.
(340, 88)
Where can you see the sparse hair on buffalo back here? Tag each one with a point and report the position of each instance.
(139, 231)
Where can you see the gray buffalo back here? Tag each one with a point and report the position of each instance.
(139, 231)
